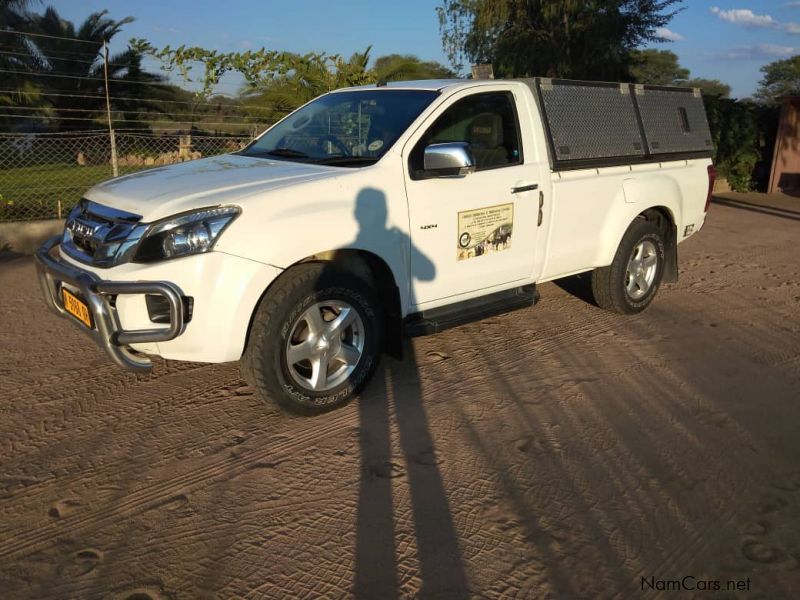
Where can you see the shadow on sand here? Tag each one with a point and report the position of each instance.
(397, 454)
(579, 285)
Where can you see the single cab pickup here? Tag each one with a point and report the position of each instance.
(382, 211)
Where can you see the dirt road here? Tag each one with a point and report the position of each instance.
(558, 451)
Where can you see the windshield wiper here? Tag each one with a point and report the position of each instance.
(281, 152)
(288, 152)
(344, 160)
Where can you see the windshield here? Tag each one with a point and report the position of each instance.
(347, 129)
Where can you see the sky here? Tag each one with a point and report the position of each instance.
(720, 39)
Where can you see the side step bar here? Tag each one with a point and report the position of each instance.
(439, 319)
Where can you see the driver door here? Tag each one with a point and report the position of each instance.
(475, 233)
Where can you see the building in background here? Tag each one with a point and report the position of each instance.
(785, 173)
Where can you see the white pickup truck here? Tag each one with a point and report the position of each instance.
(381, 211)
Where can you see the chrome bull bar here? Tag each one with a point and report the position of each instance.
(98, 294)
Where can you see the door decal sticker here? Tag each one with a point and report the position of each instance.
(486, 230)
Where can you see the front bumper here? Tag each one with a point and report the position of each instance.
(100, 296)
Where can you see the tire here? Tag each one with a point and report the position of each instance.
(622, 287)
(287, 342)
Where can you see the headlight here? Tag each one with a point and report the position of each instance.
(182, 235)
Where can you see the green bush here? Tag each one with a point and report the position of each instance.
(743, 133)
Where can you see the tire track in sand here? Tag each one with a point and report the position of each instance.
(299, 436)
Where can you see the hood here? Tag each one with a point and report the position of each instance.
(163, 191)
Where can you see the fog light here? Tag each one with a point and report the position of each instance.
(158, 308)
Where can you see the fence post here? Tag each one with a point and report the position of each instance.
(114, 164)
(185, 147)
(113, 138)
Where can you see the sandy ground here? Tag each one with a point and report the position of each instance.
(560, 451)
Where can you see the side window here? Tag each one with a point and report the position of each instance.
(487, 122)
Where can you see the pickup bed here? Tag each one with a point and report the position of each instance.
(377, 212)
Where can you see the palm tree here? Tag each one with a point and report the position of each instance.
(68, 63)
(17, 89)
(13, 16)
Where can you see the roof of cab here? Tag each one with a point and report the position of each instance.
(422, 84)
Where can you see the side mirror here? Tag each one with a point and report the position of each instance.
(449, 159)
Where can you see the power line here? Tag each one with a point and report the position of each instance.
(44, 35)
(188, 115)
(21, 92)
(6, 116)
(93, 110)
(129, 81)
(24, 33)
(84, 133)
(49, 107)
(47, 57)
(172, 129)
(137, 120)
(51, 52)
(124, 98)
(55, 37)
(34, 74)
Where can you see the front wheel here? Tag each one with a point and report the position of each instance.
(315, 339)
(630, 283)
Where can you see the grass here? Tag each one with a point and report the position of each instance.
(34, 192)
(38, 191)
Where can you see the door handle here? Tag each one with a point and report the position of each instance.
(541, 209)
(525, 188)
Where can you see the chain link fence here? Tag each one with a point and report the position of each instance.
(42, 176)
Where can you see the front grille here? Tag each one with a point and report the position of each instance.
(84, 244)
(97, 234)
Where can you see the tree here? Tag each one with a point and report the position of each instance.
(781, 78)
(67, 62)
(308, 79)
(709, 87)
(57, 72)
(584, 39)
(407, 67)
(278, 82)
(17, 89)
(661, 67)
(657, 67)
(12, 17)
(303, 78)
(258, 67)
(743, 134)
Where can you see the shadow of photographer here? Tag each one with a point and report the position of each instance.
(392, 404)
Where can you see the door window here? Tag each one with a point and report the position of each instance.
(487, 122)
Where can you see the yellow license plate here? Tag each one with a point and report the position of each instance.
(76, 307)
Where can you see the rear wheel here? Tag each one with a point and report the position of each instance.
(630, 283)
(315, 339)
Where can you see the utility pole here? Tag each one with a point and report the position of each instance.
(114, 166)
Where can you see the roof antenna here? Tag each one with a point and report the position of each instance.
(381, 83)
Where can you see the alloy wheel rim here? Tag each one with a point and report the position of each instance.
(641, 271)
(325, 346)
